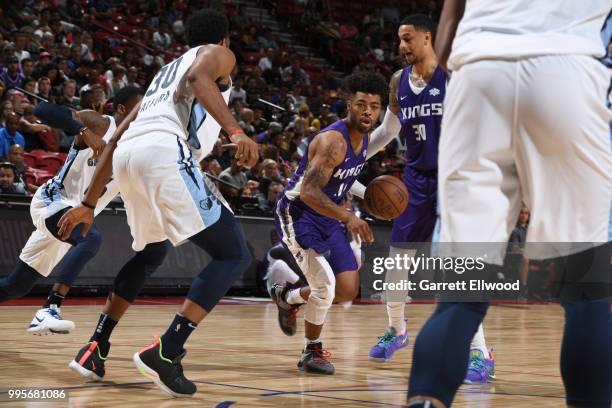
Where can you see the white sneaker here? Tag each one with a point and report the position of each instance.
(49, 320)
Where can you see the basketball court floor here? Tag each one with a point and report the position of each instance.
(238, 357)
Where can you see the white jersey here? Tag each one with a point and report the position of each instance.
(170, 106)
(70, 184)
(516, 29)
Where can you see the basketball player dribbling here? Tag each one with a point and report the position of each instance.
(313, 224)
(525, 120)
(167, 198)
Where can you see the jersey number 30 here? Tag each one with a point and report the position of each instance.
(419, 130)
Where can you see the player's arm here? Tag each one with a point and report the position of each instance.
(452, 12)
(88, 125)
(326, 151)
(215, 63)
(390, 126)
(84, 213)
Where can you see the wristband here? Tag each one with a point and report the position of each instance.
(235, 132)
(91, 207)
(82, 131)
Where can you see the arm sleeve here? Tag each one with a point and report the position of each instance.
(58, 117)
(384, 134)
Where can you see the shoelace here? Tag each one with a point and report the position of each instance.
(386, 339)
(293, 313)
(476, 364)
(54, 313)
(321, 355)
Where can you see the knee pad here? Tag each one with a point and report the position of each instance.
(322, 284)
(131, 277)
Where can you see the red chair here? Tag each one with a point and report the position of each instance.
(29, 159)
(50, 162)
(30, 178)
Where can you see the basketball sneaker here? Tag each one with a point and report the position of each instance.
(481, 370)
(388, 344)
(49, 320)
(287, 313)
(166, 373)
(89, 362)
(315, 360)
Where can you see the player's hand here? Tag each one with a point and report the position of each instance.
(78, 215)
(95, 142)
(359, 228)
(247, 152)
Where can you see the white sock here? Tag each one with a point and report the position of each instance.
(478, 342)
(395, 311)
(294, 297)
(308, 341)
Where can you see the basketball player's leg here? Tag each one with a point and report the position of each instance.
(575, 163)
(476, 176)
(415, 225)
(89, 361)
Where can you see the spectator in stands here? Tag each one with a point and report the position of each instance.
(69, 97)
(7, 110)
(27, 67)
(92, 98)
(132, 77)
(259, 122)
(119, 80)
(234, 176)
(9, 135)
(161, 38)
(77, 39)
(274, 129)
(250, 189)
(238, 92)
(44, 88)
(15, 157)
(21, 39)
(348, 30)
(75, 58)
(266, 202)
(246, 122)
(8, 184)
(37, 134)
(265, 63)
(294, 74)
(12, 77)
(390, 13)
(29, 84)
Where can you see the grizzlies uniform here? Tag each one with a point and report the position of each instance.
(420, 115)
(302, 228)
(156, 161)
(43, 250)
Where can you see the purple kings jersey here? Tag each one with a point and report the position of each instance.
(343, 176)
(421, 116)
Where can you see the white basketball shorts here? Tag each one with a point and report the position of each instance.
(533, 130)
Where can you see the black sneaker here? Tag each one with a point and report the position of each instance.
(287, 313)
(315, 359)
(166, 373)
(89, 362)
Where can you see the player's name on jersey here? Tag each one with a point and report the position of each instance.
(418, 111)
(147, 104)
(427, 285)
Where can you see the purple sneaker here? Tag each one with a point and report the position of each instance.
(480, 370)
(388, 344)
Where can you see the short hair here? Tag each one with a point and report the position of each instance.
(125, 95)
(421, 22)
(207, 26)
(9, 165)
(366, 82)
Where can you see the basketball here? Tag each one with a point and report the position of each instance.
(386, 197)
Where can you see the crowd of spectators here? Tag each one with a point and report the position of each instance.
(79, 53)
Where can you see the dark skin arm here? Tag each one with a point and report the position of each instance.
(101, 177)
(215, 64)
(326, 151)
(452, 12)
(96, 125)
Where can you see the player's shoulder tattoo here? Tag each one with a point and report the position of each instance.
(394, 87)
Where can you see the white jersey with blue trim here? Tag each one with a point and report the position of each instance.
(517, 29)
(170, 106)
(70, 184)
